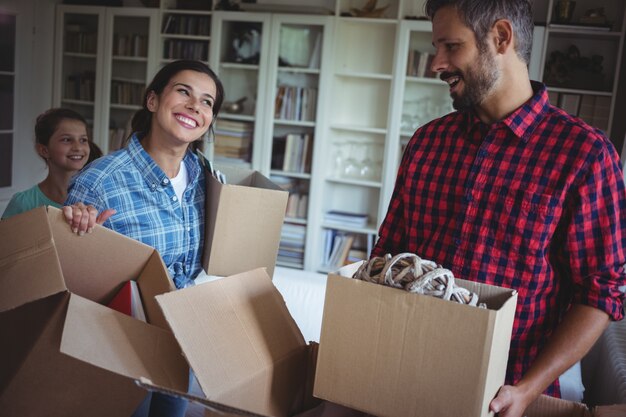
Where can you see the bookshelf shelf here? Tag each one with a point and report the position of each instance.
(297, 70)
(186, 12)
(129, 58)
(368, 230)
(299, 175)
(185, 37)
(285, 122)
(364, 75)
(579, 91)
(79, 55)
(240, 117)
(360, 183)
(78, 102)
(234, 65)
(363, 129)
(125, 106)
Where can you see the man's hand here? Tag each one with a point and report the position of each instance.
(572, 339)
(82, 218)
(511, 401)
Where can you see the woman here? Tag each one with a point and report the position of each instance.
(153, 190)
(61, 141)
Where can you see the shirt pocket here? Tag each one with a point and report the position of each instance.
(528, 220)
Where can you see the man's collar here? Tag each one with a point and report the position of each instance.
(523, 121)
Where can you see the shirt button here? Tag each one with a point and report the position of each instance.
(457, 242)
(174, 198)
(165, 181)
(152, 186)
(469, 197)
(482, 153)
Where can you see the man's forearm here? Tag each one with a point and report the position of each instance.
(574, 337)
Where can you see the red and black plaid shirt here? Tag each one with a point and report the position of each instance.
(535, 202)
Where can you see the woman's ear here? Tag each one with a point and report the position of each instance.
(152, 102)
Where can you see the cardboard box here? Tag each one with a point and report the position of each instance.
(243, 345)
(244, 221)
(64, 353)
(391, 353)
(546, 406)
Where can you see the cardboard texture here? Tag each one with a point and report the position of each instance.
(391, 353)
(69, 355)
(243, 345)
(244, 221)
(546, 406)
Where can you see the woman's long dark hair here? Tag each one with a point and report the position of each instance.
(142, 120)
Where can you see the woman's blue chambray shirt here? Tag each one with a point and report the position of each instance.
(148, 210)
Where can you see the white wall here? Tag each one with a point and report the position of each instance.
(34, 63)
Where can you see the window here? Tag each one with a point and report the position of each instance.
(7, 96)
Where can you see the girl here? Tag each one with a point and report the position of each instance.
(153, 190)
(61, 141)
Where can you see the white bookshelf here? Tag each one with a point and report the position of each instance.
(105, 57)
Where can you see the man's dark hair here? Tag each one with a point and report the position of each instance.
(481, 15)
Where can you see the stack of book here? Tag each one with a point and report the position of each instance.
(126, 92)
(291, 249)
(295, 103)
(298, 200)
(346, 218)
(292, 153)
(130, 45)
(81, 86)
(419, 64)
(233, 139)
(337, 246)
(297, 204)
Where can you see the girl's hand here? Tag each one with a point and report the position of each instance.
(82, 218)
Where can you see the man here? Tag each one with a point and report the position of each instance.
(511, 191)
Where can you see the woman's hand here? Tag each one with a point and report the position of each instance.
(82, 218)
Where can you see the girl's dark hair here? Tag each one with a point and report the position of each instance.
(143, 118)
(48, 121)
(94, 152)
(481, 15)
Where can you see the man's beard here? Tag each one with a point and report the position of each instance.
(478, 82)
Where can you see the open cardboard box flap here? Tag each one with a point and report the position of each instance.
(243, 345)
(20, 258)
(67, 348)
(119, 343)
(546, 406)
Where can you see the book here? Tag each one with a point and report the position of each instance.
(128, 301)
(352, 219)
(303, 203)
(423, 63)
(292, 205)
(581, 26)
